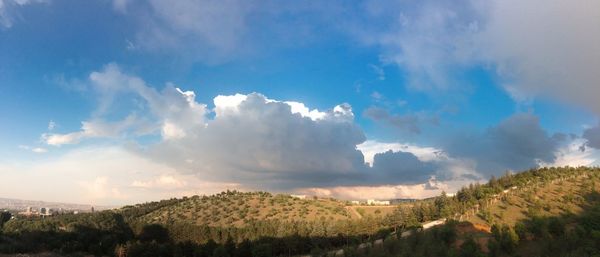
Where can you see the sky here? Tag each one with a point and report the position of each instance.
(113, 102)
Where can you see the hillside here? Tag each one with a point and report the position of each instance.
(517, 214)
(540, 212)
(558, 197)
(237, 209)
(234, 208)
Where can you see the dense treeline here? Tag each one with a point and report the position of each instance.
(116, 233)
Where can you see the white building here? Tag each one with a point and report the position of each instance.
(299, 196)
(377, 202)
(431, 224)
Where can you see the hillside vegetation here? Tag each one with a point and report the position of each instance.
(562, 196)
(234, 208)
(524, 214)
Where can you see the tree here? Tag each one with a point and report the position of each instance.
(244, 249)
(230, 245)
(506, 239)
(448, 232)
(154, 233)
(220, 251)
(510, 239)
(470, 248)
(443, 206)
(262, 250)
(4, 217)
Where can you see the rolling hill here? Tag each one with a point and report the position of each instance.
(234, 208)
(522, 214)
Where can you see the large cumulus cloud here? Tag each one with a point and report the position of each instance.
(518, 142)
(403, 166)
(260, 141)
(244, 139)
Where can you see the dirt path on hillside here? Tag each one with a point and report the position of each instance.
(354, 212)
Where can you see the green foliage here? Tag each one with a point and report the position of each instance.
(505, 239)
(470, 248)
(154, 233)
(4, 217)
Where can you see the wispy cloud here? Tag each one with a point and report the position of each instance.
(9, 10)
(33, 149)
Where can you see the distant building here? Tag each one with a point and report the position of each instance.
(45, 211)
(355, 202)
(299, 196)
(430, 224)
(377, 202)
(28, 212)
(402, 200)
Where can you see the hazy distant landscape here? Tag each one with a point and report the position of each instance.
(22, 205)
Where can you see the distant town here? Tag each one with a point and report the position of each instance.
(41, 208)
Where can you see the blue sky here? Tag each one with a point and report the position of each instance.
(116, 101)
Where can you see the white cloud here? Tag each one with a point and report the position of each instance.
(9, 10)
(100, 176)
(171, 131)
(99, 189)
(51, 125)
(172, 111)
(385, 192)
(371, 147)
(543, 50)
(430, 40)
(164, 181)
(225, 104)
(301, 109)
(378, 71)
(121, 5)
(39, 150)
(92, 129)
(250, 139)
(256, 140)
(230, 105)
(260, 143)
(537, 48)
(574, 155)
(33, 149)
(213, 30)
(446, 168)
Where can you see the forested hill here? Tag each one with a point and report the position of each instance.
(513, 214)
(233, 208)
